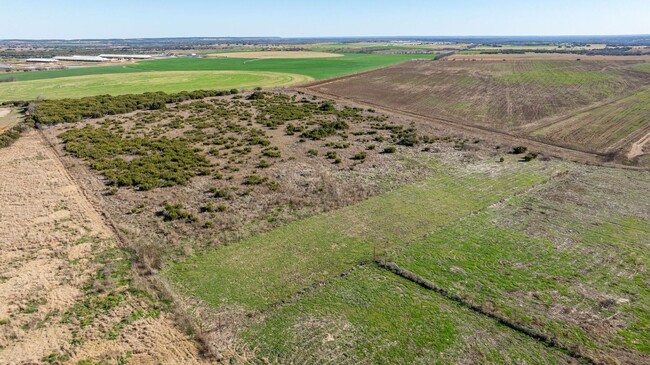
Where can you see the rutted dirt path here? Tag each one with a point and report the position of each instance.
(51, 244)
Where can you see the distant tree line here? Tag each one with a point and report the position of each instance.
(609, 51)
(75, 110)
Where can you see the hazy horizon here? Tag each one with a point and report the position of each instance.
(121, 19)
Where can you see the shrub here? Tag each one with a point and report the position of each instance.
(360, 156)
(220, 193)
(272, 152)
(254, 180)
(519, 150)
(312, 153)
(529, 157)
(390, 149)
(326, 129)
(331, 155)
(172, 212)
(263, 164)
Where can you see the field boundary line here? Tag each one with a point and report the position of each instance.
(538, 336)
(552, 149)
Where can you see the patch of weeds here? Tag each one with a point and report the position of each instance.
(272, 152)
(32, 306)
(254, 180)
(56, 358)
(360, 156)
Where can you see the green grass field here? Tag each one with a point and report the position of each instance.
(262, 270)
(375, 317)
(317, 68)
(147, 75)
(172, 81)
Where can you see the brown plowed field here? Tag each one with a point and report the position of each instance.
(51, 244)
(515, 97)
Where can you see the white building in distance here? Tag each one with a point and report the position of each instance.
(41, 60)
(81, 58)
(127, 56)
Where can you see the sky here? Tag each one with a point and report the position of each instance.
(74, 19)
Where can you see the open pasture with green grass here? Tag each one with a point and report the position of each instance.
(262, 270)
(129, 83)
(375, 317)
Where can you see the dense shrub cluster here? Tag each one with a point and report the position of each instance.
(74, 110)
(11, 135)
(326, 129)
(151, 163)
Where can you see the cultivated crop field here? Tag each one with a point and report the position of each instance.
(514, 96)
(316, 68)
(275, 54)
(610, 127)
(566, 260)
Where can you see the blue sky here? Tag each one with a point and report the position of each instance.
(304, 18)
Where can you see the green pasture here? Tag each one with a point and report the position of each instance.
(115, 84)
(375, 317)
(259, 271)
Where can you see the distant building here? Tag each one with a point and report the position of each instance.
(81, 58)
(127, 56)
(41, 60)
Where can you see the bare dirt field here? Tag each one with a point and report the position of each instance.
(276, 54)
(514, 98)
(66, 290)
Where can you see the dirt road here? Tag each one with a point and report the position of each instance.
(51, 246)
